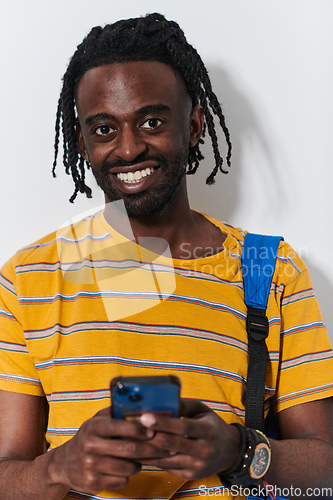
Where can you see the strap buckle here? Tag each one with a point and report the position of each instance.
(257, 324)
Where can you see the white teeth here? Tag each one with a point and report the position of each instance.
(136, 176)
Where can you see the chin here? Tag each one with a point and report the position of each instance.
(149, 203)
(145, 208)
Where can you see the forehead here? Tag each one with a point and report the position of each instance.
(132, 85)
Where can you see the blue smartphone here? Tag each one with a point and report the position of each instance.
(133, 396)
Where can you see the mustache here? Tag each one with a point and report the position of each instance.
(108, 165)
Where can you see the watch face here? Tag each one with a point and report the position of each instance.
(261, 461)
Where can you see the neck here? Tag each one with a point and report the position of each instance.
(175, 223)
(188, 234)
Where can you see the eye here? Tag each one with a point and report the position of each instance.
(103, 130)
(151, 124)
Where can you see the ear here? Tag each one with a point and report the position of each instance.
(197, 121)
(80, 142)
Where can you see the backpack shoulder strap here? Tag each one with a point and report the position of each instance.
(258, 263)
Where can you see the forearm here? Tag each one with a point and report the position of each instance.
(301, 463)
(30, 480)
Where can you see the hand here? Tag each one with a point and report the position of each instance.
(200, 444)
(96, 459)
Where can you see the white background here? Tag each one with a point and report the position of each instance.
(271, 67)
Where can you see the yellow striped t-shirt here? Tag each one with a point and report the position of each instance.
(84, 305)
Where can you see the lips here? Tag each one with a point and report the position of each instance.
(133, 177)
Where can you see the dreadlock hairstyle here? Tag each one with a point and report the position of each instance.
(149, 38)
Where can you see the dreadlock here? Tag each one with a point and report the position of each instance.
(149, 38)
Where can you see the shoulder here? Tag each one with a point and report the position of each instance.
(234, 235)
(49, 250)
(289, 265)
(228, 229)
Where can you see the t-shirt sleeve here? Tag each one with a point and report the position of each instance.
(306, 357)
(17, 369)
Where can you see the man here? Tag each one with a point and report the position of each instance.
(96, 300)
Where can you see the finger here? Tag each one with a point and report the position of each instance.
(186, 474)
(176, 444)
(105, 412)
(117, 467)
(175, 462)
(134, 450)
(95, 475)
(106, 427)
(192, 408)
(180, 445)
(97, 445)
(195, 428)
(111, 425)
(181, 465)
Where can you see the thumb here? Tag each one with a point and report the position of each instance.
(192, 408)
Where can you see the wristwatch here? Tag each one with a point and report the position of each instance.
(253, 461)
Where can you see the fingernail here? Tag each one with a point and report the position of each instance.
(147, 419)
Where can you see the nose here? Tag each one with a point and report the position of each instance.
(129, 144)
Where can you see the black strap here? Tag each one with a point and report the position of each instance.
(257, 330)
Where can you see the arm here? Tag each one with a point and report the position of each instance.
(302, 459)
(90, 462)
(304, 456)
(23, 467)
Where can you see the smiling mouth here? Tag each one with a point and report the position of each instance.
(134, 177)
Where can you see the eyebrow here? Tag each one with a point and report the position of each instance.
(150, 108)
(99, 116)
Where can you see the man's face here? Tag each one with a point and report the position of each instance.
(136, 127)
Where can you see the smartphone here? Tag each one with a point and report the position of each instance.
(133, 396)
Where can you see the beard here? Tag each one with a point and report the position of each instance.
(153, 200)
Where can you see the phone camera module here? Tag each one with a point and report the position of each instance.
(122, 390)
(135, 397)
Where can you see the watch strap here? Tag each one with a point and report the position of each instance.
(239, 473)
